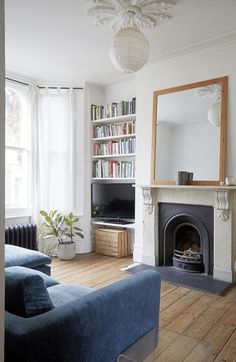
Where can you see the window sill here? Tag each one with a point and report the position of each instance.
(18, 213)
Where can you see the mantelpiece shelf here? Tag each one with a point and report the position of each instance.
(125, 118)
(188, 187)
(101, 139)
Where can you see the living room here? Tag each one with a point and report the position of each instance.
(197, 44)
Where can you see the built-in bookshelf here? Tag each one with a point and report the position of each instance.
(114, 141)
(113, 110)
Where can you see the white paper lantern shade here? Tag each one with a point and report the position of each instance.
(129, 50)
(214, 114)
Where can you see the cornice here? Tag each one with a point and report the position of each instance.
(210, 44)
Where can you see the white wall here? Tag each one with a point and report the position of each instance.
(121, 91)
(93, 94)
(2, 178)
(202, 65)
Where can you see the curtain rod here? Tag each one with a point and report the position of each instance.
(20, 82)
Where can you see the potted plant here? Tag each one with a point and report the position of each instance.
(66, 249)
(61, 227)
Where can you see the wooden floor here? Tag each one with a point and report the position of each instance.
(187, 317)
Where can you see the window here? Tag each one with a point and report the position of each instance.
(18, 131)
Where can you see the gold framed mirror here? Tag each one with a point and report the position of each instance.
(189, 133)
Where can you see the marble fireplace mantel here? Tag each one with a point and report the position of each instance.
(221, 198)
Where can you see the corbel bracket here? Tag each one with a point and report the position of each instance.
(148, 200)
(223, 207)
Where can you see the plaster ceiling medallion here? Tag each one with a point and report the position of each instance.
(212, 92)
(130, 48)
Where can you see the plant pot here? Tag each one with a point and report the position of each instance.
(66, 251)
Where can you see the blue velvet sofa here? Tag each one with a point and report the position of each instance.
(80, 324)
(18, 256)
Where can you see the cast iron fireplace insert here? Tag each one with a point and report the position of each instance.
(186, 237)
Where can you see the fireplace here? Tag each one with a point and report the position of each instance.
(187, 249)
(186, 237)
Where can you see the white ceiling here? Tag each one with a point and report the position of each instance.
(55, 41)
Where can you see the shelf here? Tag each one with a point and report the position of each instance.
(118, 119)
(114, 179)
(119, 226)
(109, 135)
(101, 139)
(113, 156)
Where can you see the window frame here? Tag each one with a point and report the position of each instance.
(24, 210)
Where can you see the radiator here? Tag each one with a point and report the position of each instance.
(23, 235)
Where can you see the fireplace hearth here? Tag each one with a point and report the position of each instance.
(186, 235)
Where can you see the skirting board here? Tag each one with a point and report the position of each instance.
(224, 275)
(149, 260)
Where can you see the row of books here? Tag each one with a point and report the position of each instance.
(113, 110)
(115, 129)
(114, 169)
(115, 147)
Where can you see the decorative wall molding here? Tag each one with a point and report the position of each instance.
(199, 48)
(148, 202)
(222, 199)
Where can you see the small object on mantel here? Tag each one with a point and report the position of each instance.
(229, 181)
(183, 177)
(190, 176)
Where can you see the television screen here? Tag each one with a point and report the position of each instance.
(113, 201)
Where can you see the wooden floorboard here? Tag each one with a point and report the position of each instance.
(191, 322)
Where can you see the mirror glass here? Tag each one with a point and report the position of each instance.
(189, 126)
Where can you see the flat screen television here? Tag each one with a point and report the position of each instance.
(114, 201)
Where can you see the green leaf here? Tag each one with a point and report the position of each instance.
(48, 219)
(43, 213)
(54, 213)
(70, 215)
(76, 228)
(80, 235)
(46, 236)
(76, 219)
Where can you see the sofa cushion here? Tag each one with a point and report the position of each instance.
(26, 294)
(21, 270)
(62, 293)
(15, 255)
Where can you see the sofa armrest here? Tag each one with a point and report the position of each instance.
(95, 328)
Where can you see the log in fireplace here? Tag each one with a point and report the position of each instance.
(186, 237)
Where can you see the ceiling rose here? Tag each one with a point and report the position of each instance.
(130, 48)
(130, 13)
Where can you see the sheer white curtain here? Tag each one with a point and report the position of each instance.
(58, 150)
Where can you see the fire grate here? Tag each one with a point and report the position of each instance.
(189, 260)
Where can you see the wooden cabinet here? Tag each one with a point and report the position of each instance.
(111, 242)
